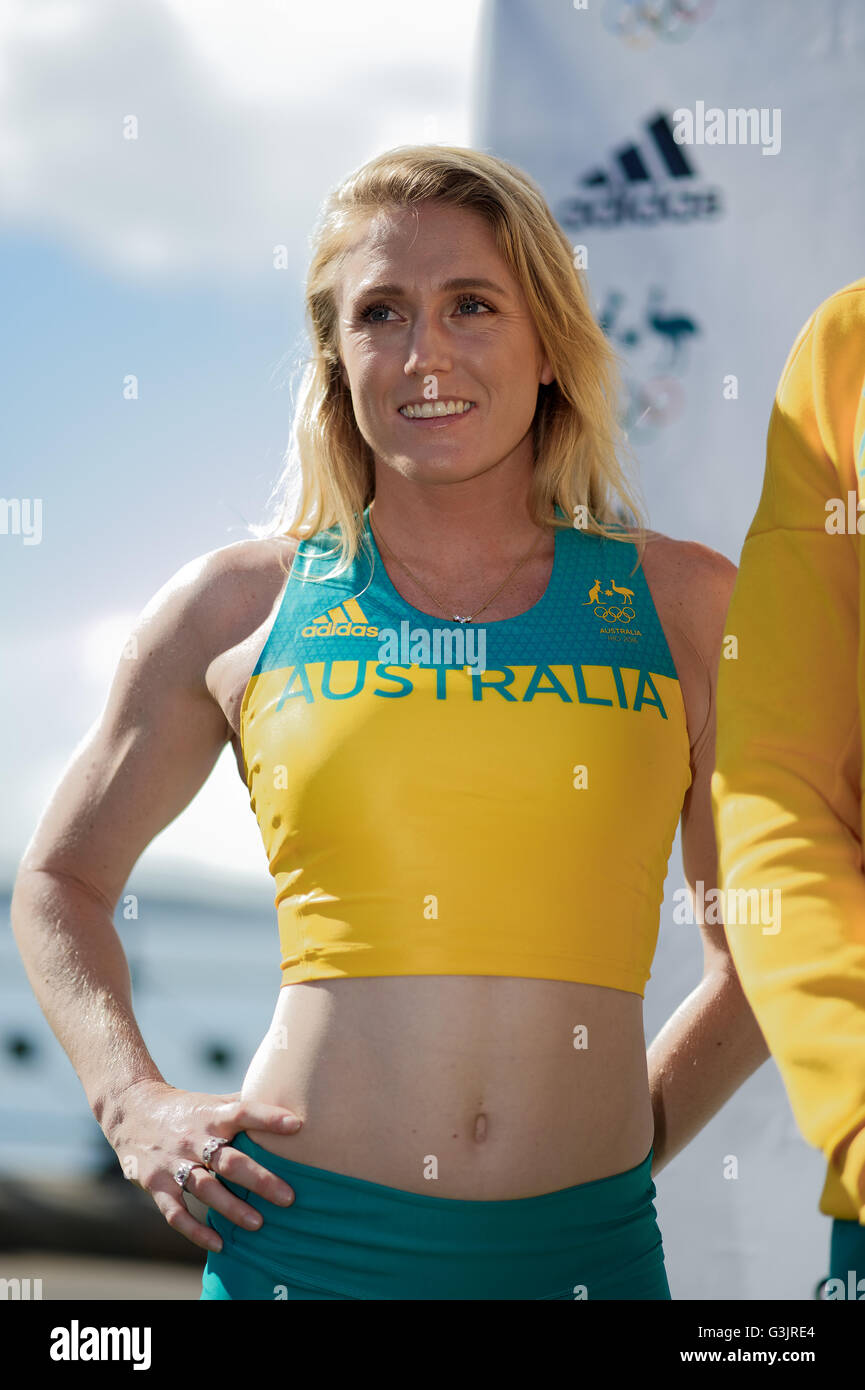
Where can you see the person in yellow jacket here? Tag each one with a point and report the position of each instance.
(787, 791)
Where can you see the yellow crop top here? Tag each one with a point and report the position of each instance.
(487, 799)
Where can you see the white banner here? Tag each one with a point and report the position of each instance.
(704, 258)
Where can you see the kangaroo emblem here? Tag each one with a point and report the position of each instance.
(615, 606)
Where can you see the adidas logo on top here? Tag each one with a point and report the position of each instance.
(346, 620)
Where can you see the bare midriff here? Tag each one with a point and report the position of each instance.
(458, 1086)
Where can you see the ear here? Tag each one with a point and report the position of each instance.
(547, 374)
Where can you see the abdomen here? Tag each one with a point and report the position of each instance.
(475, 1087)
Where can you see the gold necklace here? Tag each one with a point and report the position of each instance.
(455, 617)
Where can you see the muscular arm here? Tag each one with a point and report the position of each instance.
(150, 751)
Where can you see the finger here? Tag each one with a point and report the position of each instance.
(180, 1219)
(251, 1114)
(237, 1167)
(207, 1188)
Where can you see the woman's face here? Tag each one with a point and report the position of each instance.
(429, 311)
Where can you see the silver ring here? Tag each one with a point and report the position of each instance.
(182, 1171)
(210, 1148)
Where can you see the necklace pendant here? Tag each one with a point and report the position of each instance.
(458, 619)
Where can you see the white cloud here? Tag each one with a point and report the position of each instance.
(100, 646)
(246, 114)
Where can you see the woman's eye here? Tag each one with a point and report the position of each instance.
(372, 309)
(473, 301)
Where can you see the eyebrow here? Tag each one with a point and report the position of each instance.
(465, 282)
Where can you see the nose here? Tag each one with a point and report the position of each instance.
(429, 351)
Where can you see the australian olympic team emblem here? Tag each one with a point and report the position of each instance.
(638, 22)
(619, 610)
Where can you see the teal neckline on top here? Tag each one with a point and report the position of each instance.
(528, 614)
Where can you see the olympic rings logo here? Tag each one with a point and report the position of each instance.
(641, 20)
(614, 615)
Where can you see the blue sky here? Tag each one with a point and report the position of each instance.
(155, 258)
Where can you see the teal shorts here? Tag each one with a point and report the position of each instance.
(346, 1238)
(846, 1277)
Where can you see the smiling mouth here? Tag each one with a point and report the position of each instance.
(435, 409)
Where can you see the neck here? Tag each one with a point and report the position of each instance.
(442, 526)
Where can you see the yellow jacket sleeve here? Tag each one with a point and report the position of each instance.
(787, 787)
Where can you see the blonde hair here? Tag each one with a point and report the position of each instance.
(328, 478)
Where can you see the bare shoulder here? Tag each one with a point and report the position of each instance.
(236, 592)
(692, 585)
(205, 605)
(212, 607)
(236, 586)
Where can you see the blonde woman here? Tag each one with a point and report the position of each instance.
(471, 704)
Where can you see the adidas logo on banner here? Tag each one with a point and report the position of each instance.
(346, 620)
(643, 184)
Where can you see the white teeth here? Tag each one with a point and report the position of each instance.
(430, 408)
